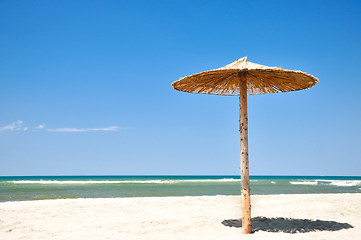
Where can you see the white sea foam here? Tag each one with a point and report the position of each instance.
(343, 183)
(305, 183)
(340, 183)
(273, 182)
(202, 180)
(125, 181)
(79, 182)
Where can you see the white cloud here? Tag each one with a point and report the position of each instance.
(112, 128)
(15, 126)
(18, 125)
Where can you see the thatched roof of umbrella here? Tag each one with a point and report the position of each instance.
(260, 79)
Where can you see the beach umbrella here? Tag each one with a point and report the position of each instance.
(242, 78)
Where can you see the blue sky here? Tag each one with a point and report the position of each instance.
(86, 87)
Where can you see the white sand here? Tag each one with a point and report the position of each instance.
(173, 217)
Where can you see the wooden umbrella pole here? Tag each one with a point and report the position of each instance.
(243, 129)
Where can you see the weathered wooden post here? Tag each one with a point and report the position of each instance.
(243, 130)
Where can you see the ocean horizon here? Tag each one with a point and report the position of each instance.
(22, 188)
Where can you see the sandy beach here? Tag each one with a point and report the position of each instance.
(183, 218)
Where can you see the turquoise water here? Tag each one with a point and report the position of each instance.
(57, 187)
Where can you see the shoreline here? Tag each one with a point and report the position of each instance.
(185, 217)
(186, 196)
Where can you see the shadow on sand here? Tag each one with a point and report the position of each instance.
(288, 225)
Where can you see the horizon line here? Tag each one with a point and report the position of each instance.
(177, 175)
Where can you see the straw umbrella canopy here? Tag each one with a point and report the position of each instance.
(242, 78)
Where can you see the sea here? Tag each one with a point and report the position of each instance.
(62, 187)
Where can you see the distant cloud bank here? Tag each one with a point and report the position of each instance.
(18, 126)
(112, 128)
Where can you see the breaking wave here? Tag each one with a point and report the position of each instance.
(340, 183)
(124, 181)
(305, 183)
